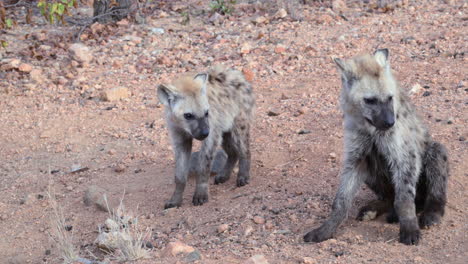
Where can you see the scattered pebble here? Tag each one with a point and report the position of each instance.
(259, 220)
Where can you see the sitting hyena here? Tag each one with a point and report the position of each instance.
(216, 108)
(388, 148)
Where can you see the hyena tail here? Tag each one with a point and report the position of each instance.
(434, 176)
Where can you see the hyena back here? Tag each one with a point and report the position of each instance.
(217, 109)
(388, 148)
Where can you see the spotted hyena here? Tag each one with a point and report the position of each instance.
(216, 108)
(388, 148)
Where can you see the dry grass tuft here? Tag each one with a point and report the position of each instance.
(121, 237)
(62, 237)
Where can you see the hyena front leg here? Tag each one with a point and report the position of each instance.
(404, 204)
(182, 150)
(207, 153)
(352, 177)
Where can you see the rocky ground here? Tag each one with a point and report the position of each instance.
(81, 116)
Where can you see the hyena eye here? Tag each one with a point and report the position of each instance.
(370, 101)
(206, 114)
(189, 116)
(390, 98)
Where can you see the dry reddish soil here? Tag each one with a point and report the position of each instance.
(53, 118)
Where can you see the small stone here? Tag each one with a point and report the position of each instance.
(149, 245)
(269, 225)
(248, 230)
(164, 60)
(338, 5)
(47, 252)
(282, 13)
(272, 113)
(245, 49)
(223, 228)
(260, 20)
(27, 199)
(426, 93)
(175, 248)
(120, 168)
(216, 18)
(9, 64)
(158, 31)
(36, 75)
(415, 89)
(70, 188)
(332, 156)
(111, 152)
(462, 138)
(24, 67)
(280, 48)
(304, 131)
(257, 259)
(3, 217)
(134, 39)
(193, 256)
(115, 94)
(248, 74)
(150, 216)
(81, 53)
(259, 220)
(308, 260)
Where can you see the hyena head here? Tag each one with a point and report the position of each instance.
(370, 93)
(187, 102)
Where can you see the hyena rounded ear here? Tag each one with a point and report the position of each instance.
(202, 78)
(165, 95)
(381, 56)
(340, 63)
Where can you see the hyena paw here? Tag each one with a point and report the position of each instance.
(220, 179)
(410, 237)
(242, 181)
(171, 204)
(366, 214)
(200, 198)
(428, 219)
(317, 235)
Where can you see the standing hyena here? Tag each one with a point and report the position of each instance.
(388, 148)
(216, 108)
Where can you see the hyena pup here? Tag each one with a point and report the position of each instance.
(388, 148)
(216, 108)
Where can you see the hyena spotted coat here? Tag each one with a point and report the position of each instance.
(216, 108)
(388, 148)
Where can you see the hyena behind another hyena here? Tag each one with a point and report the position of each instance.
(217, 109)
(388, 148)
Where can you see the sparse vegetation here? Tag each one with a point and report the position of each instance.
(62, 238)
(55, 10)
(224, 7)
(121, 237)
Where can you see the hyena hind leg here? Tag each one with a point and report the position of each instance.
(243, 176)
(435, 174)
(373, 210)
(230, 147)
